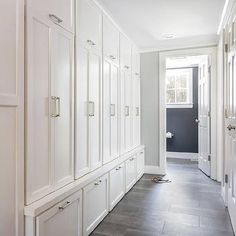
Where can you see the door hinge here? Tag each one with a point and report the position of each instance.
(226, 48)
(226, 179)
(209, 157)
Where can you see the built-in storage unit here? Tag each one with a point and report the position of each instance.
(95, 197)
(63, 219)
(130, 172)
(49, 106)
(117, 185)
(83, 149)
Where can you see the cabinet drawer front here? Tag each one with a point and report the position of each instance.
(130, 167)
(117, 185)
(89, 27)
(60, 12)
(95, 206)
(55, 220)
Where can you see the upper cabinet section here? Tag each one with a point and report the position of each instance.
(89, 24)
(125, 52)
(61, 12)
(135, 62)
(111, 40)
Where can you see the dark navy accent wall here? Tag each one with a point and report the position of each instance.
(181, 122)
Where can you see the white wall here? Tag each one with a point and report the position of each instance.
(149, 104)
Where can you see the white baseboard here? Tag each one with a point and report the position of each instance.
(155, 170)
(182, 155)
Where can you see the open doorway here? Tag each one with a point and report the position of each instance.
(188, 109)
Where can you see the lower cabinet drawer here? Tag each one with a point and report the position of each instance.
(130, 173)
(117, 185)
(95, 206)
(64, 219)
(140, 164)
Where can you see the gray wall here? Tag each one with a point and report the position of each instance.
(149, 104)
(181, 122)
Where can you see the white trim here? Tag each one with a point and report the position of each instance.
(154, 170)
(176, 105)
(182, 155)
(211, 51)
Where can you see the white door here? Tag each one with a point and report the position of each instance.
(63, 219)
(130, 173)
(230, 134)
(204, 117)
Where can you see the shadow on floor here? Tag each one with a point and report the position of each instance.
(191, 205)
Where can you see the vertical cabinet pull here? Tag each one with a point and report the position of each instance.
(126, 110)
(55, 18)
(56, 102)
(137, 111)
(91, 109)
(112, 110)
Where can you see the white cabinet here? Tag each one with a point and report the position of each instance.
(89, 28)
(65, 218)
(95, 198)
(110, 111)
(125, 52)
(49, 107)
(117, 185)
(60, 12)
(111, 41)
(140, 164)
(130, 170)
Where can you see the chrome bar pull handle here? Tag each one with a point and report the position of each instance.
(91, 111)
(112, 110)
(56, 106)
(55, 18)
(64, 206)
(126, 110)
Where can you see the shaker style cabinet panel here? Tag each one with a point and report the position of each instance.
(60, 12)
(89, 21)
(64, 219)
(95, 198)
(111, 41)
(49, 107)
(117, 185)
(130, 177)
(110, 111)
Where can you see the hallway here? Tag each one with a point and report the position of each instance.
(190, 205)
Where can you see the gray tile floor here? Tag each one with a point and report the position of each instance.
(190, 205)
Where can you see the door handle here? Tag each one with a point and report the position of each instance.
(137, 111)
(197, 121)
(56, 108)
(126, 110)
(112, 110)
(55, 18)
(90, 42)
(231, 127)
(91, 109)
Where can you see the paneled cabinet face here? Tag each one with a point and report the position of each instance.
(130, 177)
(125, 52)
(49, 102)
(87, 111)
(110, 111)
(95, 197)
(110, 40)
(117, 185)
(89, 18)
(60, 12)
(63, 219)
(140, 164)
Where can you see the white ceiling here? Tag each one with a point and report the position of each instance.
(193, 22)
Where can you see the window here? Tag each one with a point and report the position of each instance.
(179, 88)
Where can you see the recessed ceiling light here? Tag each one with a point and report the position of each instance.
(168, 36)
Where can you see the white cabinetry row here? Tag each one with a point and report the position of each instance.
(79, 213)
(82, 94)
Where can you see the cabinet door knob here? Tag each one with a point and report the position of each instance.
(55, 18)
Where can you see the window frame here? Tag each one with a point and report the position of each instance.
(189, 88)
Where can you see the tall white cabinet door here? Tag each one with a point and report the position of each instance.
(130, 173)
(89, 18)
(95, 204)
(125, 52)
(94, 109)
(63, 105)
(81, 130)
(140, 164)
(63, 219)
(114, 149)
(39, 159)
(122, 146)
(110, 40)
